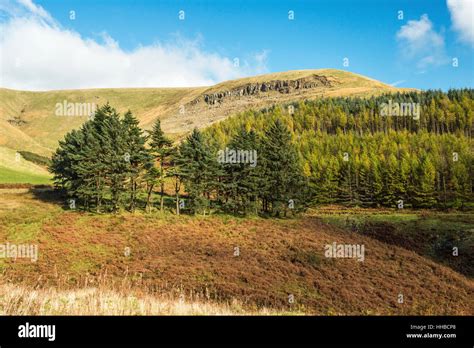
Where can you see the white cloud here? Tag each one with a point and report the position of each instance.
(36, 10)
(419, 41)
(462, 16)
(36, 54)
(25, 8)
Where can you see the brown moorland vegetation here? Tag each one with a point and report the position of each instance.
(195, 257)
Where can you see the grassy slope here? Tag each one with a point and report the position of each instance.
(44, 129)
(201, 115)
(195, 256)
(8, 176)
(22, 171)
(431, 234)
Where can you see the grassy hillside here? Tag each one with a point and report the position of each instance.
(28, 121)
(41, 129)
(15, 169)
(8, 176)
(339, 83)
(195, 258)
(430, 235)
(345, 81)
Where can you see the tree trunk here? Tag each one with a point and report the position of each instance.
(162, 198)
(148, 198)
(133, 195)
(162, 186)
(176, 188)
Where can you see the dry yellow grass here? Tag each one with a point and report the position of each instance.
(17, 300)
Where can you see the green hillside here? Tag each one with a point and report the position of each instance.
(15, 169)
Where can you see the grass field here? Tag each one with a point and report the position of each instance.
(8, 176)
(194, 259)
(14, 169)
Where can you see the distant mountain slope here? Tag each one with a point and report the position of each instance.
(39, 123)
(28, 120)
(222, 100)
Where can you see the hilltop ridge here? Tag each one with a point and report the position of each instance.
(180, 109)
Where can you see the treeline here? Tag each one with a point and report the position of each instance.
(279, 160)
(353, 155)
(109, 164)
(35, 158)
(439, 113)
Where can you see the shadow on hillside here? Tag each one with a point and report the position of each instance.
(48, 194)
(430, 238)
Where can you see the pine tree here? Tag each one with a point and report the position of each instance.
(138, 157)
(424, 188)
(81, 163)
(116, 157)
(366, 182)
(241, 181)
(199, 171)
(162, 147)
(97, 161)
(345, 194)
(389, 194)
(282, 181)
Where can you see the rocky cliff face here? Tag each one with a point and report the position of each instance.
(251, 89)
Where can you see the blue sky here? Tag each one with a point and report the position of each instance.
(143, 43)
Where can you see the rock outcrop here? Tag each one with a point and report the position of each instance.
(251, 89)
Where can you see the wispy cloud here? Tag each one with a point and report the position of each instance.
(38, 54)
(420, 42)
(462, 17)
(397, 83)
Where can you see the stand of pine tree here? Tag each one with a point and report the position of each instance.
(335, 150)
(106, 164)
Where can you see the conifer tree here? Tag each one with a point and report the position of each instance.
(424, 188)
(282, 180)
(161, 147)
(138, 158)
(241, 182)
(199, 171)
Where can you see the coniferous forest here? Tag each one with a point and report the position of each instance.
(332, 150)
